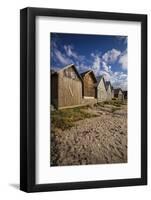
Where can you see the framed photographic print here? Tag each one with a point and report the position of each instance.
(83, 99)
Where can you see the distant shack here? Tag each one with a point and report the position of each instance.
(66, 87)
(112, 90)
(101, 89)
(109, 90)
(118, 93)
(125, 95)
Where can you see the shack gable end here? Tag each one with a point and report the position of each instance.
(101, 91)
(118, 94)
(109, 92)
(89, 79)
(125, 95)
(66, 87)
(69, 87)
(70, 73)
(89, 84)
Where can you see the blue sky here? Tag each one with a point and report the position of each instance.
(104, 54)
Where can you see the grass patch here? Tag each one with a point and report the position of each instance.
(116, 103)
(114, 109)
(107, 102)
(100, 104)
(64, 119)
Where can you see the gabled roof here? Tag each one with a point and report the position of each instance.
(116, 91)
(112, 88)
(66, 67)
(107, 85)
(99, 78)
(125, 93)
(84, 73)
(89, 72)
(52, 71)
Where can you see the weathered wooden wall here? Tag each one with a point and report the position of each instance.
(125, 95)
(101, 91)
(109, 93)
(89, 86)
(120, 95)
(112, 93)
(69, 88)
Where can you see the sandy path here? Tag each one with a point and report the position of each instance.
(98, 140)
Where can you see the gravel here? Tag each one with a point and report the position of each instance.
(97, 140)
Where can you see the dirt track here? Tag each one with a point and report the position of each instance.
(97, 140)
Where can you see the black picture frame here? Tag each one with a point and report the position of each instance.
(28, 98)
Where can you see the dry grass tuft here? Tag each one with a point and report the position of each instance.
(64, 119)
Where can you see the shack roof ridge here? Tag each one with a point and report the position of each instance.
(66, 67)
(87, 72)
(116, 90)
(54, 70)
(107, 83)
(99, 78)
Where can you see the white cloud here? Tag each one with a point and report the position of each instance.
(96, 65)
(70, 52)
(62, 58)
(74, 57)
(106, 75)
(82, 67)
(123, 60)
(101, 65)
(111, 56)
(92, 54)
(119, 79)
(106, 67)
(114, 55)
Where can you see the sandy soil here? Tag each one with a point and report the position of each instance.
(98, 140)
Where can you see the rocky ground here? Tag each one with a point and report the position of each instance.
(97, 140)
